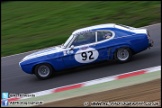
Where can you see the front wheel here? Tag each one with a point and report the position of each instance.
(43, 71)
(123, 55)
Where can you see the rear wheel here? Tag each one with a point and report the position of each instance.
(43, 71)
(123, 55)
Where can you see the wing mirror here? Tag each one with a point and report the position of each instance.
(71, 47)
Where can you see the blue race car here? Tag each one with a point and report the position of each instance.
(88, 45)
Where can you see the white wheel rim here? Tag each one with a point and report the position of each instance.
(122, 54)
(43, 71)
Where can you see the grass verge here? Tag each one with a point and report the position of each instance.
(30, 25)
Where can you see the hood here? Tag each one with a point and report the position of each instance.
(43, 52)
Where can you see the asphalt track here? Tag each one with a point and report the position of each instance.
(14, 80)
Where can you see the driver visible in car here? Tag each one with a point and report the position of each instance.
(107, 35)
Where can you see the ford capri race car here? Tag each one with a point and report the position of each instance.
(88, 45)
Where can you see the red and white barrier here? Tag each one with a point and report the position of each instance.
(91, 82)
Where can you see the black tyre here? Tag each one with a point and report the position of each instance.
(123, 55)
(43, 71)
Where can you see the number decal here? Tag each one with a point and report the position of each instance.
(86, 55)
(90, 57)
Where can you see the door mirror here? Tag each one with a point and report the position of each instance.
(71, 47)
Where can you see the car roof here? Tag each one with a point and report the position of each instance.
(109, 25)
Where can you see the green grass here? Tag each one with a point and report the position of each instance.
(30, 25)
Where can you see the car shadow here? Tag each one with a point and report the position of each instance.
(86, 67)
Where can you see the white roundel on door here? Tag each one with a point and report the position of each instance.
(86, 56)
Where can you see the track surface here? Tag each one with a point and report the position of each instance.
(147, 92)
(14, 80)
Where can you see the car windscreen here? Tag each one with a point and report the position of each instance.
(68, 41)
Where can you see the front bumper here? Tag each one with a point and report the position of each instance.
(27, 68)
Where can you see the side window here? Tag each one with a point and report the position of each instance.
(103, 35)
(84, 38)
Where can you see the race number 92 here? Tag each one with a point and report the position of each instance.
(86, 56)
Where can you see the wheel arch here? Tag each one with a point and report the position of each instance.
(45, 62)
(121, 60)
(122, 46)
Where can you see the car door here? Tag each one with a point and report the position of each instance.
(103, 43)
(84, 50)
